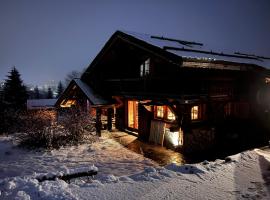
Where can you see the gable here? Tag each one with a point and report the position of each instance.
(123, 44)
(75, 86)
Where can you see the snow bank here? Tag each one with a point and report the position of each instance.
(243, 176)
(126, 175)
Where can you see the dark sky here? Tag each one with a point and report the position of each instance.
(47, 39)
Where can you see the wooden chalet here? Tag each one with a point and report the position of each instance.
(173, 92)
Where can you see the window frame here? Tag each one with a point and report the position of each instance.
(145, 68)
(165, 110)
(194, 113)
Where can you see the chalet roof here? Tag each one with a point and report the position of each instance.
(90, 94)
(190, 49)
(40, 103)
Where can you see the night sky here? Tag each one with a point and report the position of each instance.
(47, 39)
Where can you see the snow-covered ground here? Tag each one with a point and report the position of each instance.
(125, 175)
(107, 154)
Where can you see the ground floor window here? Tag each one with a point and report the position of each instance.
(160, 111)
(195, 113)
(164, 112)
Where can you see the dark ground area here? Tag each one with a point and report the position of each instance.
(165, 156)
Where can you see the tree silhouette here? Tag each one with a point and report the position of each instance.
(49, 93)
(60, 89)
(36, 93)
(15, 93)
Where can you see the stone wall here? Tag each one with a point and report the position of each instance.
(199, 139)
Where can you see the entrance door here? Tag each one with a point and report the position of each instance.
(133, 114)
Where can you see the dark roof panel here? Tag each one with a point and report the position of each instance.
(191, 49)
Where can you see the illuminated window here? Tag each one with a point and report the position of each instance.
(67, 103)
(195, 112)
(145, 68)
(170, 114)
(160, 111)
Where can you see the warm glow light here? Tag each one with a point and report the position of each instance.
(67, 104)
(133, 114)
(160, 111)
(170, 114)
(175, 138)
(195, 112)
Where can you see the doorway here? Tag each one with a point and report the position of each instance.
(133, 114)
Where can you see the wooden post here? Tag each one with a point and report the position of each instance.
(98, 121)
(109, 118)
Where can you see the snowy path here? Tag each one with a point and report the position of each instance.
(108, 155)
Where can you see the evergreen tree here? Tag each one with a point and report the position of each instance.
(36, 93)
(49, 93)
(60, 89)
(15, 93)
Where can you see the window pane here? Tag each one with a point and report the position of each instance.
(147, 66)
(170, 114)
(194, 112)
(160, 111)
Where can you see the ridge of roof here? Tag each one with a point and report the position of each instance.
(190, 49)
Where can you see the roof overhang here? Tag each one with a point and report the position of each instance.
(76, 84)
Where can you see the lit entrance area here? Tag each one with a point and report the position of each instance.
(157, 153)
(133, 115)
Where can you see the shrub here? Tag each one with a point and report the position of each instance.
(41, 130)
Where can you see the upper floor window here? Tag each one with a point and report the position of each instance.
(195, 113)
(145, 68)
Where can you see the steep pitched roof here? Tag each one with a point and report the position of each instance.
(90, 94)
(175, 49)
(191, 49)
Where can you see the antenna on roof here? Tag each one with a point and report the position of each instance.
(183, 42)
(211, 53)
(252, 55)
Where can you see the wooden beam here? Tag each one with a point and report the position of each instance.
(98, 121)
(67, 177)
(109, 118)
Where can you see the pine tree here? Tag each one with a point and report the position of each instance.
(60, 89)
(15, 93)
(49, 93)
(36, 93)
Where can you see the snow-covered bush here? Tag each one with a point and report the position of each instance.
(42, 130)
(79, 124)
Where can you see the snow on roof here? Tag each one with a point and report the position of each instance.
(93, 97)
(185, 49)
(40, 103)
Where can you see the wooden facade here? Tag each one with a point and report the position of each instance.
(187, 98)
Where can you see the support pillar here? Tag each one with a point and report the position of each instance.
(98, 122)
(109, 118)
